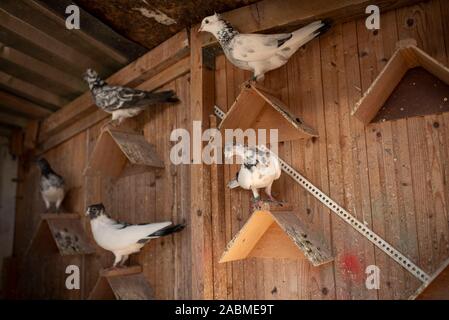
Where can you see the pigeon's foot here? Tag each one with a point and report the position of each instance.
(274, 201)
(256, 204)
(107, 124)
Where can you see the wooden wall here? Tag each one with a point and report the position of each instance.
(391, 175)
(153, 196)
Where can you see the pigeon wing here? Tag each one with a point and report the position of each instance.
(257, 47)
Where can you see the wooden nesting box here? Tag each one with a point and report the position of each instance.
(63, 233)
(122, 284)
(269, 234)
(256, 108)
(437, 288)
(407, 56)
(122, 153)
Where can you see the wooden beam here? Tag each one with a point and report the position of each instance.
(176, 70)
(48, 14)
(149, 65)
(23, 106)
(30, 91)
(289, 14)
(13, 120)
(44, 42)
(43, 69)
(5, 131)
(201, 106)
(94, 29)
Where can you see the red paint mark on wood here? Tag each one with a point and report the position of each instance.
(352, 268)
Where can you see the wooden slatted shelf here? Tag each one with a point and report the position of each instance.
(122, 284)
(406, 57)
(63, 233)
(276, 234)
(437, 288)
(257, 108)
(120, 153)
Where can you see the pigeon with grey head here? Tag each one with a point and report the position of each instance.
(259, 169)
(260, 53)
(124, 102)
(121, 238)
(51, 185)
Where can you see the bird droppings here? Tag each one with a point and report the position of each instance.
(274, 291)
(378, 134)
(157, 15)
(375, 32)
(436, 124)
(410, 22)
(325, 291)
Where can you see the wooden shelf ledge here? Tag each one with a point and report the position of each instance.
(406, 57)
(257, 108)
(280, 234)
(120, 153)
(62, 233)
(437, 288)
(122, 284)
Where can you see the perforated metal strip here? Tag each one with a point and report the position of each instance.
(348, 218)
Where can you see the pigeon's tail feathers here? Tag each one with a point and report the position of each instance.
(309, 32)
(168, 96)
(167, 231)
(327, 24)
(233, 184)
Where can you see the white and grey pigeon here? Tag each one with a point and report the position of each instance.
(123, 239)
(51, 185)
(123, 102)
(260, 53)
(259, 169)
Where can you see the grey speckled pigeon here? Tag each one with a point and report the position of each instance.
(123, 102)
(260, 53)
(51, 185)
(123, 239)
(259, 169)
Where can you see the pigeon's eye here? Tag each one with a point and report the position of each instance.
(206, 21)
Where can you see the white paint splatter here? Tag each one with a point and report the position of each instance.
(157, 15)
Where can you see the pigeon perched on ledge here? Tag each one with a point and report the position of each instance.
(259, 169)
(260, 53)
(123, 239)
(51, 185)
(123, 102)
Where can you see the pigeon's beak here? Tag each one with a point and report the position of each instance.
(200, 29)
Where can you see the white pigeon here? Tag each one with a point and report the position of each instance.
(51, 185)
(259, 169)
(123, 239)
(260, 53)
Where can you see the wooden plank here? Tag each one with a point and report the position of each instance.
(269, 14)
(94, 28)
(44, 70)
(135, 73)
(13, 120)
(45, 42)
(31, 134)
(265, 112)
(25, 107)
(131, 287)
(119, 272)
(436, 289)
(201, 106)
(48, 21)
(246, 239)
(31, 91)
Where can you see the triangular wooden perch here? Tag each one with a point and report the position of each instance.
(122, 153)
(122, 284)
(437, 288)
(269, 234)
(406, 57)
(256, 108)
(61, 232)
